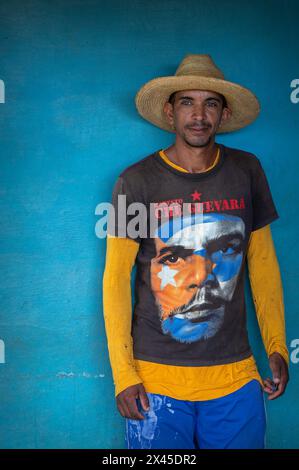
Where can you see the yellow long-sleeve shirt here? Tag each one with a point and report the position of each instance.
(189, 383)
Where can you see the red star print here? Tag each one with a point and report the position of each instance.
(196, 196)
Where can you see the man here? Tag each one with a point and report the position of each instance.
(184, 371)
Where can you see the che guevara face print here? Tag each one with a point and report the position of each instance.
(194, 273)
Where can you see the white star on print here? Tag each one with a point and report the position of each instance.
(167, 276)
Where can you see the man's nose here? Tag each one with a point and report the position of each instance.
(199, 111)
(201, 269)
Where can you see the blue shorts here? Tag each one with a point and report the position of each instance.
(235, 421)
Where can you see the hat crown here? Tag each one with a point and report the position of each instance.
(199, 64)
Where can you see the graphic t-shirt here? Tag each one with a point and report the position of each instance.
(193, 230)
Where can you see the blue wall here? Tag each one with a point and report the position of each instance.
(68, 127)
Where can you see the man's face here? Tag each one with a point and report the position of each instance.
(196, 116)
(194, 273)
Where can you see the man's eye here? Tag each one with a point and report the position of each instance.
(217, 249)
(170, 259)
(228, 250)
(212, 104)
(186, 102)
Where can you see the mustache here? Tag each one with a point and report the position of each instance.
(198, 124)
(210, 302)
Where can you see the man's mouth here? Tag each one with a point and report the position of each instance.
(199, 312)
(197, 307)
(196, 317)
(198, 129)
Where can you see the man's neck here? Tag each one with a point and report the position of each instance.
(193, 159)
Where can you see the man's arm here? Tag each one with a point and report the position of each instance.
(267, 293)
(117, 306)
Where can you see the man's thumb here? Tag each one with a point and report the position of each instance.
(144, 399)
(276, 373)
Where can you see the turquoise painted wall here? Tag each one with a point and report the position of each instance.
(69, 72)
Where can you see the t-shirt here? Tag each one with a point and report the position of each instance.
(193, 230)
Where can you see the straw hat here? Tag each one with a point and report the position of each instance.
(197, 72)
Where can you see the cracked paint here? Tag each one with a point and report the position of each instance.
(86, 375)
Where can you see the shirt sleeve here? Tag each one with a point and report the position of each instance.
(126, 219)
(264, 210)
(117, 308)
(267, 291)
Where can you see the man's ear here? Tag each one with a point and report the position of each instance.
(168, 110)
(226, 114)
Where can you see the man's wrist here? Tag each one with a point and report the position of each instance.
(282, 354)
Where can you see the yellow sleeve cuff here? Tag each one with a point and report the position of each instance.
(281, 349)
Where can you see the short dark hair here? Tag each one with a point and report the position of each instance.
(171, 99)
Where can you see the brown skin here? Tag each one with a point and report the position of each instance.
(126, 401)
(196, 119)
(196, 116)
(280, 376)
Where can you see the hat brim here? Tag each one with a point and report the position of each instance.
(151, 98)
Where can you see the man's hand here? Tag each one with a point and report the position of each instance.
(126, 401)
(280, 376)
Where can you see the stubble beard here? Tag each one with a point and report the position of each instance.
(199, 142)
